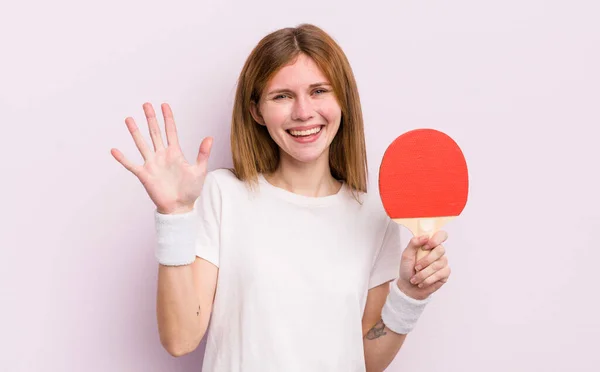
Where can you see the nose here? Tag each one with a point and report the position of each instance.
(302, 110)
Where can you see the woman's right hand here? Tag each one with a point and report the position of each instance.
(171, 182)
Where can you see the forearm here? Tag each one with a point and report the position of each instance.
(181, 323)
(396, 318)
(381, 346)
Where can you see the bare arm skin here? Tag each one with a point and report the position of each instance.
(380, 344)
(418, 279)
(185, 293)
(184, 304)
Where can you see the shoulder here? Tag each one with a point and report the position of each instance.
(223, 177)
(367, 206)
(225, 183)
(368, 202)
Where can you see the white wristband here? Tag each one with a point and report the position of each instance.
(176, 238)
(401, 312)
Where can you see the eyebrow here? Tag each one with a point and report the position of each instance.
(320, 84)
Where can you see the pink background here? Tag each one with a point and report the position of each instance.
(515, 83)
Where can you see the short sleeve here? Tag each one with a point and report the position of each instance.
(208, 207)
(387, 262)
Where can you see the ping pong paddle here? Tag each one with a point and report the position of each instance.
(423, 181)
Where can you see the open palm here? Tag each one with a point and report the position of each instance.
(172, 183)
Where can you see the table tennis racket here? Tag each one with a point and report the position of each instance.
(423, 181)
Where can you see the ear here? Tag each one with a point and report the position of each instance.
(256, 113)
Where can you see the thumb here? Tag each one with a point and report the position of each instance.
(413, 246)
(409, 256)
(204, 151)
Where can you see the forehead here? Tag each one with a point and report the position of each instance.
(301, 73)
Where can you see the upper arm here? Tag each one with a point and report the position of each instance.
(375, 299)
(385, 269)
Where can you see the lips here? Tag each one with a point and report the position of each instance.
(305, 134)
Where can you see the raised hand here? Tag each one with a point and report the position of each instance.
(420, 278)
(172, 183)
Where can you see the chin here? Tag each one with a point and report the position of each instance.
(307, 159)
(307, 156)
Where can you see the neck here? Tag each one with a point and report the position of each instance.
(308, 179)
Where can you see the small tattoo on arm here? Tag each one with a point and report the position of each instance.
(377, 331)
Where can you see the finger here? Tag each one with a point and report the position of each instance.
(125, 162)
(170, 128)
(140, 143)
(433, 255)
(437, 276)
(204, 151)
(417, 242)
(438, 238)
(435, 286)
(153, 127)
(429, 270)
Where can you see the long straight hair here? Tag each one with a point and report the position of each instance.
(253, 149)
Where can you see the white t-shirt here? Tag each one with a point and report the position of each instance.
(294, 272)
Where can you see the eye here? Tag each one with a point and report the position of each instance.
(279, 96)
(319, 91)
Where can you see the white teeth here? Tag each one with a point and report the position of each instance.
(305, 132)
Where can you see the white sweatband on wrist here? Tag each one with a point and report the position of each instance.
(176, 238)
(401, 312)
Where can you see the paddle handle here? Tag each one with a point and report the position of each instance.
(423, 226)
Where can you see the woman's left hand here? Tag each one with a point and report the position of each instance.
(419, 279)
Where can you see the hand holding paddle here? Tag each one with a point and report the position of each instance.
(423, 181)
(420, 278)
(171, 182)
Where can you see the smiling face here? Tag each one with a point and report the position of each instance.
(300, 111)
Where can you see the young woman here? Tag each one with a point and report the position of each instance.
(287, 254)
